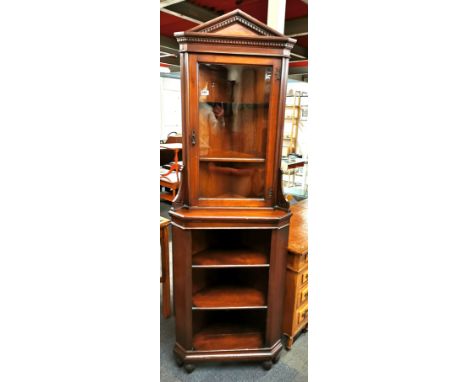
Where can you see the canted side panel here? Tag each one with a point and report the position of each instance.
(276, 284)
(184, 189)
(280, 125)
(275, 125)
(191, 129)
(181, 254)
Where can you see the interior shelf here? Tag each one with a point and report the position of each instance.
(239, 104)
(230, 257)
(229, 288)
(229, 297)
(231, 196)
(227, 330)
(234, 160)
(225, 336)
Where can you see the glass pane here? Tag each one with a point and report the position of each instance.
(232, 180)
(233, 110)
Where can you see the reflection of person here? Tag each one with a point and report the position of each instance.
(211, 119)
(218, 111)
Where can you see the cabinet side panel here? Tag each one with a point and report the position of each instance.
(191, 130)
(187, 160)
(280, 127)
(182, 276)
(276, 282)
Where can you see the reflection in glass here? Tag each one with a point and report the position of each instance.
(232, 180)
(233, 110)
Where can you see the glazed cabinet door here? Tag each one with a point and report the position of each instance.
(233, 113)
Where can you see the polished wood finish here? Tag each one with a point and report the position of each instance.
(165, 273)
(230, 219)
(227, 296)
(298, 237)
(295, 318)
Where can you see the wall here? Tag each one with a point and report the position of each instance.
(171, 108)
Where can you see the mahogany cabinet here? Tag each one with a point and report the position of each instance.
(230, 220)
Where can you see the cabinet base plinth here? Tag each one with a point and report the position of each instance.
(190, 357)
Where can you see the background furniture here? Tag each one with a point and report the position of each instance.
(174, 138)
(295, 315)
(289, 167)
(165, 273)
(291, 123)
(230, 220)
(170, 178)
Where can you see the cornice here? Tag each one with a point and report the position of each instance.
(230, 40)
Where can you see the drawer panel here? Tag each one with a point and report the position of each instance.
(302, 314)
(302, 296)
(303, 278)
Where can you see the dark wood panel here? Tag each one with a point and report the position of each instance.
(182, 277)
(276, 285)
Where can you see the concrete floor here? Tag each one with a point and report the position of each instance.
(292, 366)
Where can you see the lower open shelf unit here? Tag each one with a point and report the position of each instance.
(228, 285)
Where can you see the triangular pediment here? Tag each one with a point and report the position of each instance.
(236, 23)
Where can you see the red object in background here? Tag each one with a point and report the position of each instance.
(255, 8)
(298, 64)
(170, 24)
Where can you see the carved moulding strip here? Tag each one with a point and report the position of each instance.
(275, 44)
(237, 19)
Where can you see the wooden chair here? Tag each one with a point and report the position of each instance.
(169, 178)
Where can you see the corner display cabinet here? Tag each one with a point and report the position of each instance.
(230, 219)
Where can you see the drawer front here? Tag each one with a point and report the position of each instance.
(303, 278)
(302, 296)
(302, 314)
(303, 260)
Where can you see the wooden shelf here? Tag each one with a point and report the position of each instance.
(255, 104)
(229, 258)
(227, 336)
(235, 160)
(229, 297)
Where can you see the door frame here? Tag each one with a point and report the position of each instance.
(271, 147)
